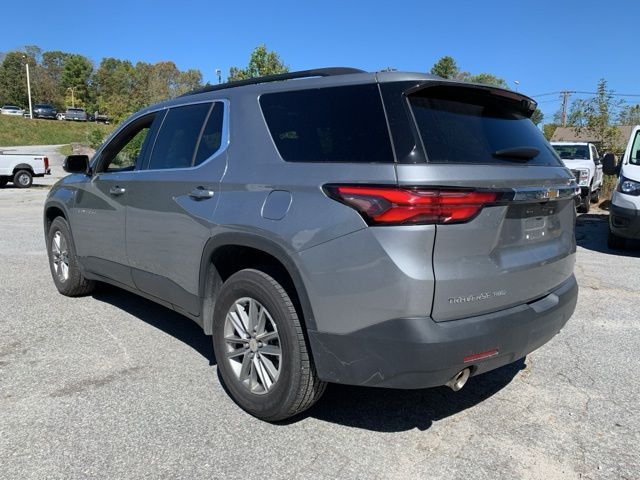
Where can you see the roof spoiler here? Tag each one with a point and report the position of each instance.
(524, 104)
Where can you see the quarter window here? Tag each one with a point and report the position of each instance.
(211, 138)
(337, 124)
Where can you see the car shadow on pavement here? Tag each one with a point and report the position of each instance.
(391, 410)
(157, 316)
(591, 233)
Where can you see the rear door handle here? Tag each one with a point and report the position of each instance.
(117, 190)
(201, 193)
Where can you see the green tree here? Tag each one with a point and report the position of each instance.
(548, 130)
(488, 79)
(13, 79)
(629, 115)
(597, 116)
(113, 84)
(446, 67)
(262, 62)
(76, 74)
(537, 116)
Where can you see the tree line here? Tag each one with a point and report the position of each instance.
(114, 87)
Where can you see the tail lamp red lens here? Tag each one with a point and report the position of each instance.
(46, 163)
(411, 206)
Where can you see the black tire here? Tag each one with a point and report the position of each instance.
(614, 242)
(74, 285)
(297, 387)
(585, 205)
(3, 181)
(23, 179)
(595, 196)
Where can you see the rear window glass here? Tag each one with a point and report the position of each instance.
(459, 125)
(337, 124)
(176, 141)
(572, 152)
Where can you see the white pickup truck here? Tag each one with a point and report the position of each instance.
(583, 160)
(20, 169)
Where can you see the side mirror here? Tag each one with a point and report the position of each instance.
(609, 164)
(76, 164)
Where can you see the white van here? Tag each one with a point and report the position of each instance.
(624, 217)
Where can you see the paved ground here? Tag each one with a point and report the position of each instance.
(113, 386)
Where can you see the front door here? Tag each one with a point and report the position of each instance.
(99, 214)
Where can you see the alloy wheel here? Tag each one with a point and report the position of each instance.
(60, 256)
(252, 345)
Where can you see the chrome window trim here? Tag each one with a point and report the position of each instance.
(224, 143)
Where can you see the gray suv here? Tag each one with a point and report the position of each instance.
(380, 229)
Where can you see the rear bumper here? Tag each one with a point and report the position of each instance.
(419, 353)
(624, 222)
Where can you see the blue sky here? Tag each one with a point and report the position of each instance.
(546, 45)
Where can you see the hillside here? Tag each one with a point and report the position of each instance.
(23, 131)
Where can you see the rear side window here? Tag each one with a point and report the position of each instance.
(460, 125)
(338, 124)
(176, 142)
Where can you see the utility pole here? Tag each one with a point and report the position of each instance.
(26, 65)
(565, 101)
(73, 99)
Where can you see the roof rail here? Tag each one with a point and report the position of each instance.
(318, 72)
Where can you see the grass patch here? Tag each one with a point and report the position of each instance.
(65, 150)
(16, 131)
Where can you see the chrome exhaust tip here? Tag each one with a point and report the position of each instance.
(458, 381)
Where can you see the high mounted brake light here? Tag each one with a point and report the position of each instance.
(411, 206)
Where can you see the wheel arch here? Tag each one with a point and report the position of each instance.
(22, 166)
(258, 248)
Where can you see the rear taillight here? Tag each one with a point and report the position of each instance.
(411, 206)
(46, 163)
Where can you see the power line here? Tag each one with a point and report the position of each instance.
(585, 93)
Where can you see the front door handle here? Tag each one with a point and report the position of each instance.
(201, 193)
(117, 190)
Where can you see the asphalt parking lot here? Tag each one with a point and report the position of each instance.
(114, 386)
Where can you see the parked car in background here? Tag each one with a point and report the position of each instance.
(76, 114)
(44, 110)
(624, 213)
(60, 116)
(21, 168)
(12, 110)
(377, 229)
(584, 162)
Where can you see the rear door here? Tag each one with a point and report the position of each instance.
(172, 200)
(517, 248)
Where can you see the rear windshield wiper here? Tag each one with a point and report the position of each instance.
(517, 153)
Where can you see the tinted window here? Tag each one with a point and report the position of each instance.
(176, 142)
(459, 125)
(572, 152)
(124, 152)
(340, 124)
(635, 151)
(211, 138)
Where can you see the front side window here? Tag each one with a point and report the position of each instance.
(337, 124)
(634, 158)
(175, 146)
(127, 149)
